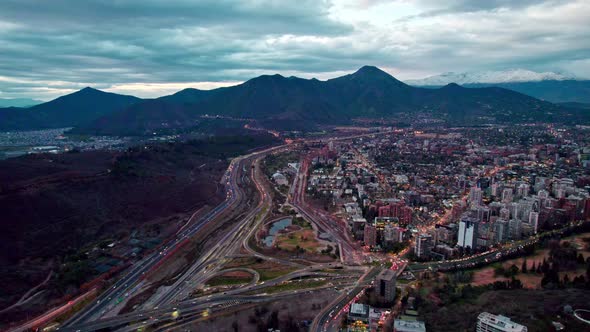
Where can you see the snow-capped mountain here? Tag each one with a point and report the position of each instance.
(506, 76)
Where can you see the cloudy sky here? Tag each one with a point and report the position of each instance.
(150, 48)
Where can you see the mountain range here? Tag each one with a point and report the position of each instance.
(278, 102)
(549, 86)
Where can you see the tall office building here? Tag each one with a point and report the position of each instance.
(525, 207)
(423, 246)
(392, 234)
(467, 232)
(507, 195)
(483, 214)
(515, 229)
(385, 284)
(500, 230)
(475, 197)
(370, 235)
(487, 322)
(523, 190)
(534, 221)
(495, 189)
(504, 213)
(513, 208)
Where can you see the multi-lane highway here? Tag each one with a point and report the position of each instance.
(126, 286)
(325, 318)
(201, 304)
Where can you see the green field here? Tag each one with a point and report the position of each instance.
(292, 285)
(227, 281)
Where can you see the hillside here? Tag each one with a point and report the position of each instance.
(281, 102)
(84, 201)
(70, 110)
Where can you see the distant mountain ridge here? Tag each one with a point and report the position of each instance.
(70, 110)
(504, 76)
(281, 102)
(18, 102)
(567, 91)
(549, 86)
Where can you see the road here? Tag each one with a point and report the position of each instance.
(489, 256)
(126, 285)
(326, 319)
(338, 231)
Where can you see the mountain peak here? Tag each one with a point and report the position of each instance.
(87, 91)
(452, 86)
(265, 78)
(370, 70)
(372, 73)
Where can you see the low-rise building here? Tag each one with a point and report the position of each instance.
(358, 312)
(402, 325)
(487, 322)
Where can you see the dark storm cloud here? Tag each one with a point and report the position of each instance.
(152, 41)
(48, 48)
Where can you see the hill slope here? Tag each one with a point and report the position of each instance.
(70, 110)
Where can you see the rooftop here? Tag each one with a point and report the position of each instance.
(386, 275)
(400, 325)
(359, 309)
(502, 322)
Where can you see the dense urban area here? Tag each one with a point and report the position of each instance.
(418, 228)
(294, 166)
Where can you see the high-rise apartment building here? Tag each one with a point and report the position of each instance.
(423, 246)
(385, 286)
(370, 235)
(467, 232)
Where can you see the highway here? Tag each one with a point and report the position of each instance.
(208, 263)
(241, 294)
(328, 314)
(489, 256)
(126, 285)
